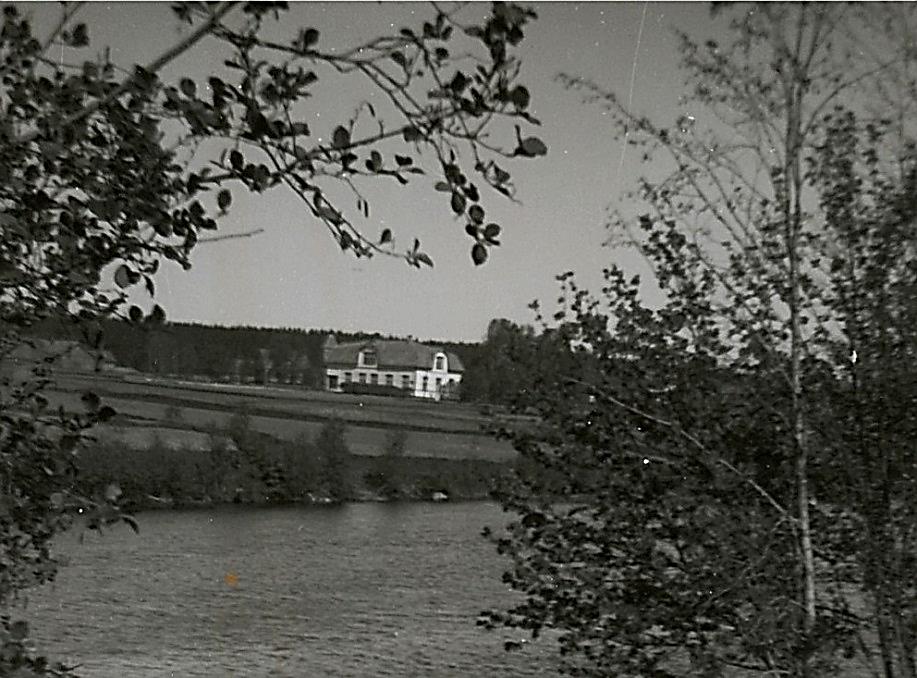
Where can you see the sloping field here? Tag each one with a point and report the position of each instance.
(177, 412)
(275, 401)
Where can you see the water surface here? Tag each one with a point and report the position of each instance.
(358, 590)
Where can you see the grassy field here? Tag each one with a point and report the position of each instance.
(180, 413)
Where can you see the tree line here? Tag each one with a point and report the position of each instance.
(281, 355)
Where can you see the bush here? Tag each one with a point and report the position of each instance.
(334, 461)
(239, 428)
(386, 475)
(290, 469)
(161, 471)
(17, 657)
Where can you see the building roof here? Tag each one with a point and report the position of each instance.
(391, 354)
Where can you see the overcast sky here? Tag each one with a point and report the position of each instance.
(294, 275)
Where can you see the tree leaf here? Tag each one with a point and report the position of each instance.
(458, 202)
(411, 133)
(478, 254)
(308, 38)
(476, 212)
(330, 214)
(123, 276)
(224, 199)
(80, 36)
(157, 315)
(520, 97)
(340, 138)
(532, 147)
(386, 236)
(188, 87)
(374, 163)
(398, 58)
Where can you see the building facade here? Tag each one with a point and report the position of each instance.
(420, 370)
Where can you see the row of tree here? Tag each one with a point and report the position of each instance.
(278, 355)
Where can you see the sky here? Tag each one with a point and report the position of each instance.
(294, 275)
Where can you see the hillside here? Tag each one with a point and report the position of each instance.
(179, 413)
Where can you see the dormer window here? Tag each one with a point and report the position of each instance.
(368, 358)
(440, 363)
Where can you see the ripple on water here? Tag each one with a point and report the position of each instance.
(357, 591)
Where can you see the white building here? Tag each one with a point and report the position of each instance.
(424, 371)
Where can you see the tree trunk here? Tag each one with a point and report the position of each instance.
(905, 646)
(802, 460)
(883, 631)
(792, 213)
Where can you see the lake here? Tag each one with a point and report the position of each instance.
(354, 590)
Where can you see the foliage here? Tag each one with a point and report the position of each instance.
(738, 474)
(492, 376)
(299, 469)
(98, 184)
(239, 427)
(334, 461)
(274, 472)
(17, 659)
(384, 476)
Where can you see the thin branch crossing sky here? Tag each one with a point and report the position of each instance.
(294, 275)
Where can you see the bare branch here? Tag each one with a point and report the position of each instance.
(231, 236)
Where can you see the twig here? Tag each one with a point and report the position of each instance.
(690, 438)
(154, 66)
(231, 236)
(66, 15)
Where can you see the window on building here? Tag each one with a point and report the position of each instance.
(332, 381)
(368, 358)
(440, 363)
(348, 377)
(424, 384)
(362, 377)
(439, 384)
(373, 378)
(405, 381)
(389, 379)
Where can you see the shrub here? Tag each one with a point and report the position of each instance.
(334, 461)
